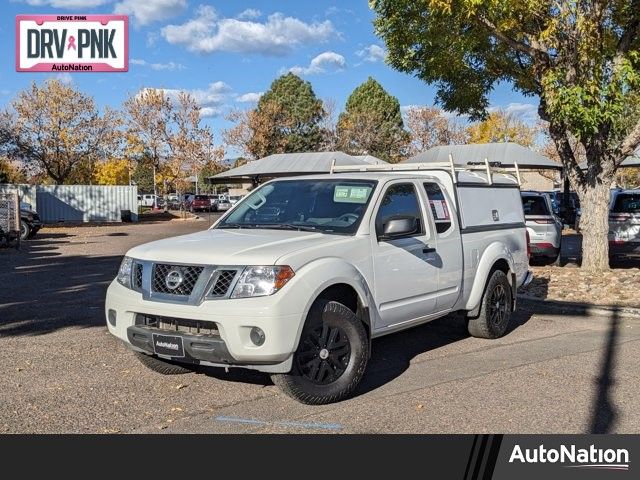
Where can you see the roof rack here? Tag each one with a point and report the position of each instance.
(408, 167)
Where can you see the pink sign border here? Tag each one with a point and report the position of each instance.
(97, 67)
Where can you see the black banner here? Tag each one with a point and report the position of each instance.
(466, 457)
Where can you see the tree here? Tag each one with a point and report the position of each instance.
(57, 129)
(372, 124)
(286, 119)
(10, 172)
(430, 127)
(296, 112)
(164, 131)
(112, 172)
(580, 59)
(502, 127)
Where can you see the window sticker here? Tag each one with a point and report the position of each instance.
(351, 194)
(439, 209)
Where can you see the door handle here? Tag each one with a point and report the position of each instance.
(428, 250)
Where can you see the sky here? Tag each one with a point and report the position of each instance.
(228, 52)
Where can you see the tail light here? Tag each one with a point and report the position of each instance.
(528, 244)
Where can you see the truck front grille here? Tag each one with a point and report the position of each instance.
(181, 325)
(137, 275)
(175, 279)
(224, 281)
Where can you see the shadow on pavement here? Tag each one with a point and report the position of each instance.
(45, 292)
(604, 413)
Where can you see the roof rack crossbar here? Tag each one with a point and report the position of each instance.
(450, 166)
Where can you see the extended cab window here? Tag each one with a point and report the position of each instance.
(439, 208)
(400, 200)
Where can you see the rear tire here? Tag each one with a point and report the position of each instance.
(161, 366)
(331, 357)
(495, 312)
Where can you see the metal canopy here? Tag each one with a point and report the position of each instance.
(498, 154)
(291, 164)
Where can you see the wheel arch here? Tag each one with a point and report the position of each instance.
(338, 280)
(495, 257)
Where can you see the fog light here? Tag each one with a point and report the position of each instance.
(111, 316)
(257, 336)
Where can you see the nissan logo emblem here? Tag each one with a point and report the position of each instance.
(174, 279)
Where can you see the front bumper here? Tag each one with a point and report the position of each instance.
(280, 320)
(197, 348)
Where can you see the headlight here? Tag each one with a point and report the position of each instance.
(124, 274)
(261, 281)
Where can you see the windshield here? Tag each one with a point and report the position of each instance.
(331, 206)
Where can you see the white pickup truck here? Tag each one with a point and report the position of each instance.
(300, 276)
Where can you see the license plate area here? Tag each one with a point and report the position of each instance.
(168, 345)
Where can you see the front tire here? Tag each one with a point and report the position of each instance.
(161, 366)
(495, 312)
(331, 357)
(25, 230)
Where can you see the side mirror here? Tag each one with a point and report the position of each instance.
(399, 227)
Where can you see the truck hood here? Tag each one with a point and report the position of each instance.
(230, 246)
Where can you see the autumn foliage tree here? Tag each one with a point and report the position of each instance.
(55, 128)
(430, 127)
(580, 59)
(499, 127)
(164, 130)
(114, 171)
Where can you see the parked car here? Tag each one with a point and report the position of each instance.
(198, 203)
(147, 200)
(544, 227)
(624, 222)
(299, 289)
(233, 199)
(220, 203)
(566, 213)
(30, 222)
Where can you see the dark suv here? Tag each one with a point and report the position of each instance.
(29, 222)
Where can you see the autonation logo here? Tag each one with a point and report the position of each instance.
(573, 457)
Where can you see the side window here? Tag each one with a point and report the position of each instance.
(439, 207)
(399, 200)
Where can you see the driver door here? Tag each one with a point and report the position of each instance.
(406, 267)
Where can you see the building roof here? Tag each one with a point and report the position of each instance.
(291, 164)
(631, 161)
(498, 154)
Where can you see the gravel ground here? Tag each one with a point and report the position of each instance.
(616, 287)
(62, 372)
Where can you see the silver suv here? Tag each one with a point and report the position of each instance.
(545, 229)
(624, 222)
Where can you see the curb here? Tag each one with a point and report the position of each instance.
(584, 309)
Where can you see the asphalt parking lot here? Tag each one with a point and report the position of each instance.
(62, 372)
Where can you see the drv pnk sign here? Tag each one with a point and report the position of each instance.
(72, 43)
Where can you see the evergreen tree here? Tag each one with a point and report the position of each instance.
(372, 124)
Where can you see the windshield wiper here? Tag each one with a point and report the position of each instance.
(287, 226)
(235, 225)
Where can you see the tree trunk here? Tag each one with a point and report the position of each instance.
(594, 225)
